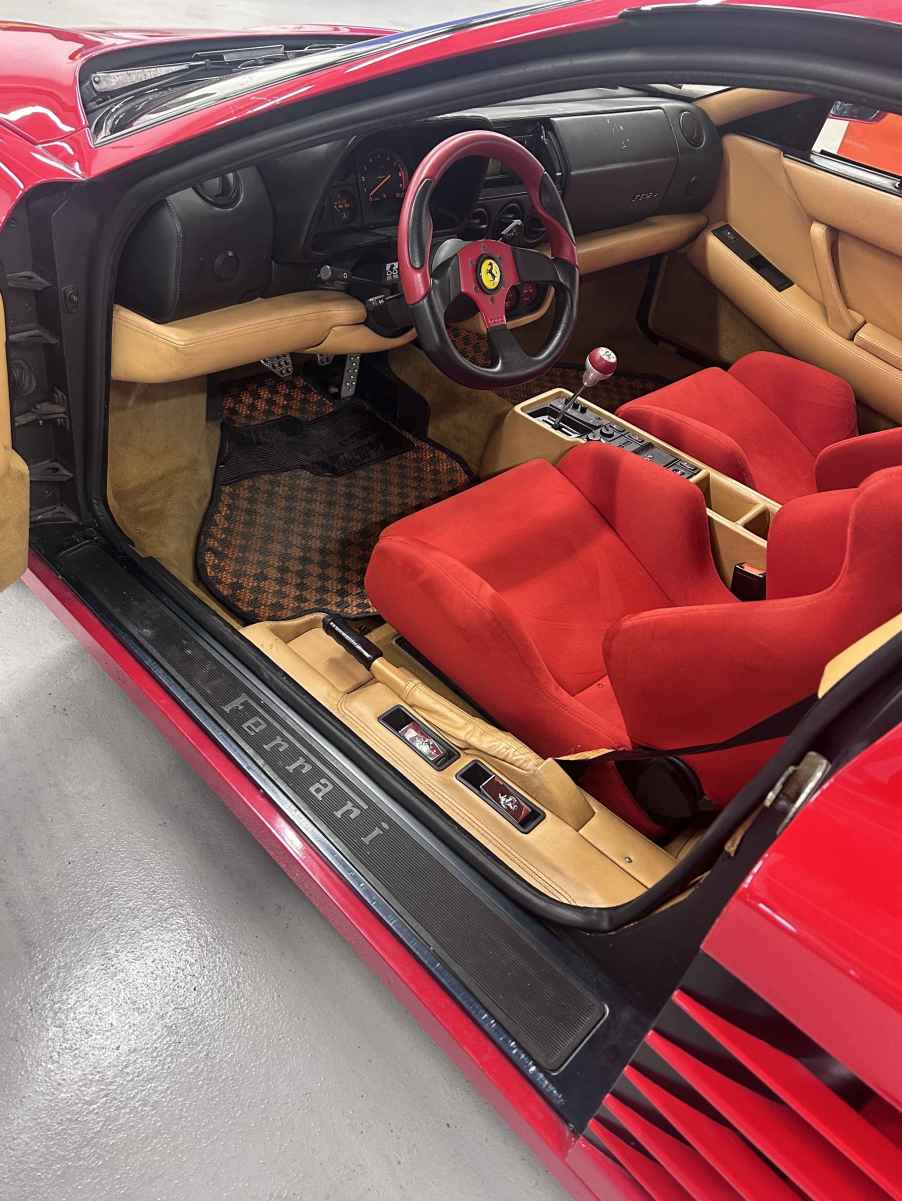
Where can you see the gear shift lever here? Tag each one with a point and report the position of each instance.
(601, 364)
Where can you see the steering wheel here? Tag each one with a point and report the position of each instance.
(485, 270)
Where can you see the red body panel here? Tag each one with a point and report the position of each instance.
(816, 929)
(875, 143)
(39, 94)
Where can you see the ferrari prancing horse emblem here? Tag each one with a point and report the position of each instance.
(488, 271)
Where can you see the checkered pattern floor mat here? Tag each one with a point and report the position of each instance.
(265, 398)
(276, 545)
(610, 395)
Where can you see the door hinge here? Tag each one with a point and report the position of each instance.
(28, 281)
(48, 471)
(797, 786)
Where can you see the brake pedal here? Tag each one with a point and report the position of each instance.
(280, 365)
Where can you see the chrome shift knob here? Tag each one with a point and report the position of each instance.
(601, 363)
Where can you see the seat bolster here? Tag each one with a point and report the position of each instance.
(704, 442)
(473, 635)
(703, 674)
(806, 546)
(847, 463)
(817, 406)
(659, 516)
(698, 676)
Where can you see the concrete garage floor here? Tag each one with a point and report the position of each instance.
(176, 1021)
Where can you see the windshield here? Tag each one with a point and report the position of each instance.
(171, 97)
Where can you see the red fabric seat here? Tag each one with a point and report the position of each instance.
(766, 422)
(581, 607)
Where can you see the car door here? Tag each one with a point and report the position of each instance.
(809, 248)
(13, 483)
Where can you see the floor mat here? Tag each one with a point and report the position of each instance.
(610, 395)
(281, 540)
(265, 398)
(338, 442)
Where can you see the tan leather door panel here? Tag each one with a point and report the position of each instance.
(838, 240)
(13, 484)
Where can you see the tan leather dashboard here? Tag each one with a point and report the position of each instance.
(629, 243)
(735, 103)
(149, 353)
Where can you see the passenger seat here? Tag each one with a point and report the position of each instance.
(781, 426)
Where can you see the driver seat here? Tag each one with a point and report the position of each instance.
(580, 606)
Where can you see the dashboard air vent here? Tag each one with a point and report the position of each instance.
(505, 215)
(478, 222)
(534, 230)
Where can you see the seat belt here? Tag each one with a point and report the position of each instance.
(668, 788)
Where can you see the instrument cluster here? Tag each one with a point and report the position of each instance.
(368, 190)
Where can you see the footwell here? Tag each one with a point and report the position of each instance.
(301, 493)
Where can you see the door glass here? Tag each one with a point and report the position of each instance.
(865, 136)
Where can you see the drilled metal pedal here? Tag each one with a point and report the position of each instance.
(280, 365)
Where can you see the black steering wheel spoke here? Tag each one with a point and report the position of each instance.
(537, 268)
(510, 357)
(446, 284)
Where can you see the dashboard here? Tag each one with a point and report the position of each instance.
(326, 217)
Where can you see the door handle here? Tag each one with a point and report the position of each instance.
(841, 319)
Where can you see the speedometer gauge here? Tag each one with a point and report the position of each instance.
(384, 178)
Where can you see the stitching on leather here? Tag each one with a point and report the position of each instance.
(867, 360)
(460, 812)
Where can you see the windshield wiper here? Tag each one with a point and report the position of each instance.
(206, 63)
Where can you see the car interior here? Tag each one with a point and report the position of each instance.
(577, 598)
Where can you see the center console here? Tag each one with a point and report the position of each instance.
(739, 518)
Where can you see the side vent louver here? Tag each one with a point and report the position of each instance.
(760, 1126)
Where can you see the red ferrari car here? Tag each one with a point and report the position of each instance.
(479, 450)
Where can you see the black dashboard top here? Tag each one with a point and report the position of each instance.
(617, 156)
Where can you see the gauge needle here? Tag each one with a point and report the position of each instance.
(381, 184)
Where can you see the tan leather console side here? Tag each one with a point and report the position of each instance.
(145, 351)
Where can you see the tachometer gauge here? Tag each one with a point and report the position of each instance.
(344, 206)
(384, 177)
